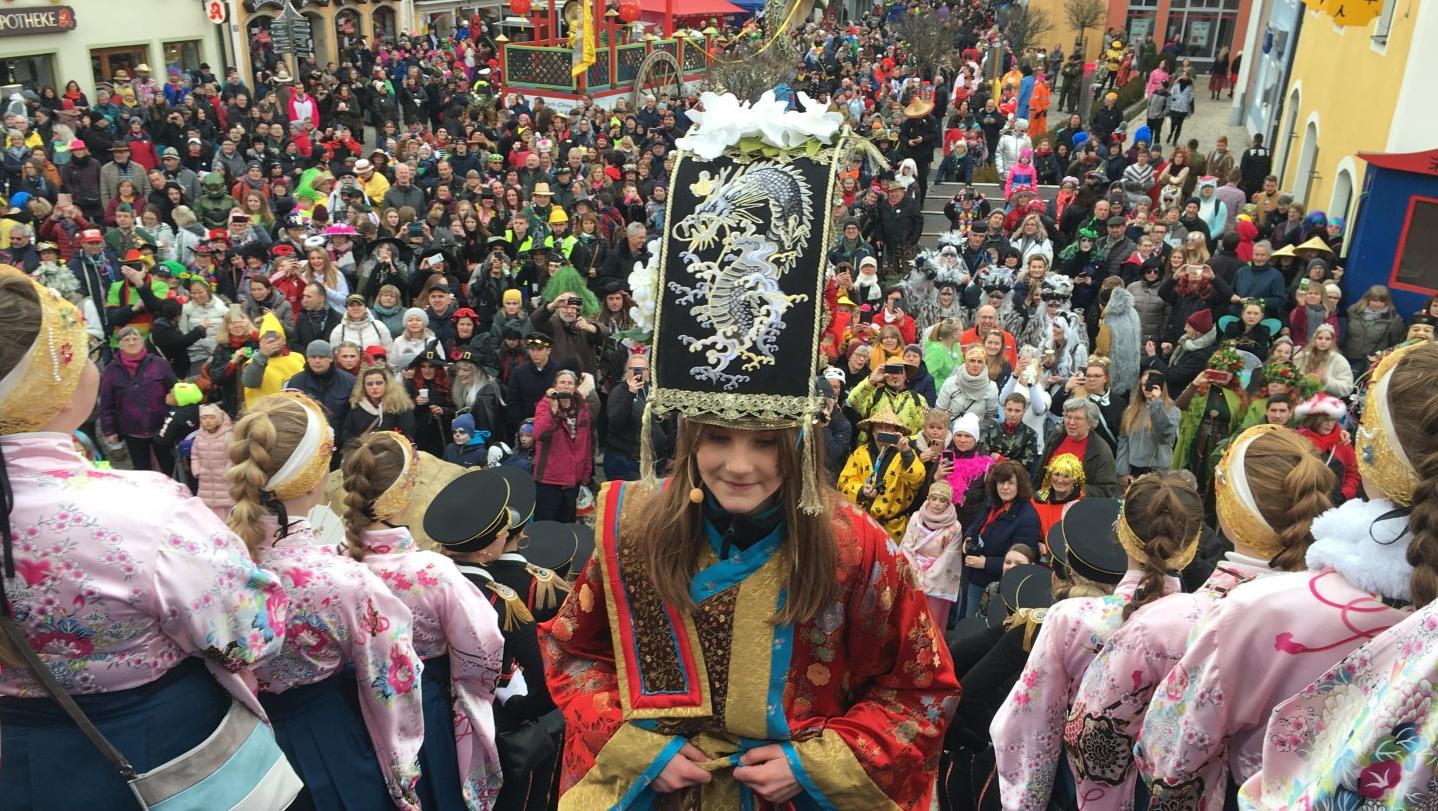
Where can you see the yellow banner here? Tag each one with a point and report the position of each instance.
(582, 38)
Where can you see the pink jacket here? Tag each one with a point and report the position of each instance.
(1362, 734)
(1028, 729)
(1261, 644)
(1109, 708)
(563, 453)
(209, 458)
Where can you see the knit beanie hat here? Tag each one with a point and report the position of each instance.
(415, 312)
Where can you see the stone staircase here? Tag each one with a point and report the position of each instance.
(935, 223)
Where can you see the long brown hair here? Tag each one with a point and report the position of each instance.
(1136, 416)
(1165, 512)
(1290, 484)
(668, 533)
(370, 467)
(259, 445)
(1413, 406)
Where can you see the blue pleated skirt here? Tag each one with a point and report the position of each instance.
(322, 733)
(47, 763)
(439, 783)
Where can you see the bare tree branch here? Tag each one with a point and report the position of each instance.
(1083, 15)
(928, 40)
(1027, 29)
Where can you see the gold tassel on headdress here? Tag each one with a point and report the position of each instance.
(647, 479)
(515, 612)
(547, 587)
(809, 501)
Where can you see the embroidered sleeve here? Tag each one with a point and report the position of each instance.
(387, 668)
(906, 693)
(476, 654)
(1182, 747)
(211, 598)
(1027, 730)
(612, 757)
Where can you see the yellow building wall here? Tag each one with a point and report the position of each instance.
(1062, 34)
(1354, 90)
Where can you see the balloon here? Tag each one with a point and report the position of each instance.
(628, 11)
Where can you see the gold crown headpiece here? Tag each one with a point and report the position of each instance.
(396, 497)
(1134, 546)
(41, 383)
(1237, 509)
(311, 459)
(1381, 457)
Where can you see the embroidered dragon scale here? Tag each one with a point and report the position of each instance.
(737, 294)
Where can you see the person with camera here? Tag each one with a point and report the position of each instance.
(887, 388)
(625, 413)
(563, 453)
(883, 474)
(1148, 430)
(1008, 517)
(573, 336)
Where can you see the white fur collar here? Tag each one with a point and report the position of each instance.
(1372, 557)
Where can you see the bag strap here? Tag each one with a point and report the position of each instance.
(67, 703)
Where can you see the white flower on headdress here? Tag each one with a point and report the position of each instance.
(725, 121)
(644, 284)
(721, 124)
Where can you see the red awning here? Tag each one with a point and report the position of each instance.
(692, 8)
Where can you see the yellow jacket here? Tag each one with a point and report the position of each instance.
(375, 187)
(898, 482)
(278, 369)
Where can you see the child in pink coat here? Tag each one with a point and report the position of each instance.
(209, 459)
(933, 545)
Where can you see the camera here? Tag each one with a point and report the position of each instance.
(562, 396)
(886, 437)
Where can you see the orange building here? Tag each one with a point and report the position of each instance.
(1204, 26)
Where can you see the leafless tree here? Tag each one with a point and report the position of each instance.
(752, 66)
(1027, 29)
(1083, 15)
(928, 40)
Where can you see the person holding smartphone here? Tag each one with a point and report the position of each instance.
(884, 473)
(574, 336)
(1148, 430)
(564, 454)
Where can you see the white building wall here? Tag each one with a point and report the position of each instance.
(1415, 121)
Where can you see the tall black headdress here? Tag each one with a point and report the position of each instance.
(740, 286)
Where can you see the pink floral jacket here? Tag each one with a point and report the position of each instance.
(122, 575)
(342, 615)
(451, 618)
(1262, 643)
(1108, 710)
(1028, 729)
(1363, 735)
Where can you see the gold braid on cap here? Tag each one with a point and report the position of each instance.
(396, 497)
(1134, 545)
(41, 383)
(1381, 457)
(1233, 500)
(311, 459)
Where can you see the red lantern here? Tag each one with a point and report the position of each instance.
(520, 7)
(628, 11)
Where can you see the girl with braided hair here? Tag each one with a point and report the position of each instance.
(1206, 723)
(1278, 472)
(1157, 529)
(345, 631)
(1361, 735)
(455, 629)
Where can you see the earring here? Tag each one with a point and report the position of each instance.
(696, 495)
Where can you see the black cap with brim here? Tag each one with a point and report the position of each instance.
(1026, 586)
(537, 338)
(583, 550)
(551, 545)
(521, 494)
(469, 513)
(1090, 544)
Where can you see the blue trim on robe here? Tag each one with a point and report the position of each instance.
(640, 795)
(812, 796)
(634, 643)
(736, 568)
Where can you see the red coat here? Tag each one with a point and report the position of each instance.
(1338, 455)
(559, 458)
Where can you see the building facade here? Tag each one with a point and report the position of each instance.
(1359, 89)
(334, 25)
(90, 40)
(1204, 27)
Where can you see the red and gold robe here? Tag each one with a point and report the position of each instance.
(858, 698)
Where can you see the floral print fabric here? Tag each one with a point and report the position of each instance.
(451, 618)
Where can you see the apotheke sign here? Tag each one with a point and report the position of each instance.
(36, 20)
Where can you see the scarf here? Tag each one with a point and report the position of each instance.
(1325, 443)
(934, 520)
(974, 387)
(131, 362)
(1316, 316)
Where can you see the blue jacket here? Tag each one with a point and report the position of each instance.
(1263, 283)
(1018, 524)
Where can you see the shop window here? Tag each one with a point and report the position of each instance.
(1413, 265)
(106, 62)
(183, 56)
(31, 72)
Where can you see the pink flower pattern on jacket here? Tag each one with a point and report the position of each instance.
(122, 575)
(451, 618)
(1108, 710)
(344, 616)
(1028, 730)
(1364, 735)
(1262, 643)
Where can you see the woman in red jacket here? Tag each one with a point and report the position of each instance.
(563, 450)
(1318, 419)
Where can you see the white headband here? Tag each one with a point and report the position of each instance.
(1238, 480)
(317, 431)
(16, 375)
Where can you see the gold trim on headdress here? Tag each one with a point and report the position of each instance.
(977, 350)
(1233, 501)
(396, 497)
(1381, 457)
(308, 465)
(1133, 545)
(40, 385)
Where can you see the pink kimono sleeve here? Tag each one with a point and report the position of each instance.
(1027, 731)
(1183, 746)
(387, 670)
(476, 653)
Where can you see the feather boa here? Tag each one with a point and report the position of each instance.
(1371, 555)
(1125, 334)
(966, 469)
